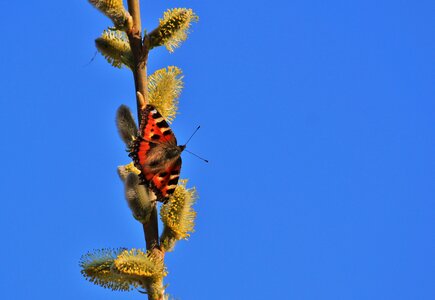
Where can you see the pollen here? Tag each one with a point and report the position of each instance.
(173, 28)
(114, 46)
(178, 214)
(131, 168)
(164, 89)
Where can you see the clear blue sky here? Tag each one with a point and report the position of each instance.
(318, 121)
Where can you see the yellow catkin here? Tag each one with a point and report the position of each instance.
(164, 89)
(114, 9)
(115, 4)
(114, 46)
(97, 268)
(123, 270)
(139, 264)
(131, 168)
(178, 214)
(107, 4)
(173, 28)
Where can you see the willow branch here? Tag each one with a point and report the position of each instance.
(140, 57)
(134, 10)
(140, 54)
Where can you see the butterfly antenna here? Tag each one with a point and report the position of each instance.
(192, 134)
(196, 155)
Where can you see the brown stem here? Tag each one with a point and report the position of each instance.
(151, 231)
(134, 10)
(140, 57)
(140, 54)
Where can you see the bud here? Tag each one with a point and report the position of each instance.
(139, 198)
(126, 125)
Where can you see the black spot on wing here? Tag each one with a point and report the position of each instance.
(155, 137)
(156, 115)
(162, 124)
(163, 174)
(175, 172)
(170, 191)
(173, 181)
(167, 132)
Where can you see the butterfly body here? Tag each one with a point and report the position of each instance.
(156, 154)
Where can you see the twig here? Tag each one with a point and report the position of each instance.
(140, 57)
(140, 53)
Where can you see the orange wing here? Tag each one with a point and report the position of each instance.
(155, 132)
(154, 128)
(165, 182)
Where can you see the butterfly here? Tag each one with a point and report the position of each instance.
(156, 154)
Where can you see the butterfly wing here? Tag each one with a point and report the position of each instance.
(154, 128)
(140, 154)
(149, 154)
(164, 183)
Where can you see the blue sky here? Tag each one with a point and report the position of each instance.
(318, 121)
